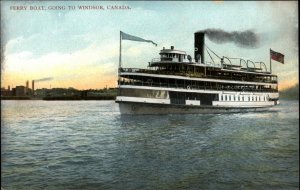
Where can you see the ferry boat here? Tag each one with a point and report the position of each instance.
(178, 83)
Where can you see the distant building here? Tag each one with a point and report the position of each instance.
(29, 91)
(41, 92)
(13, 92)
(20, 90)
(5, 92)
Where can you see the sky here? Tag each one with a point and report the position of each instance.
(80, 48)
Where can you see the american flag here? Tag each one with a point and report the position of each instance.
(277, 56)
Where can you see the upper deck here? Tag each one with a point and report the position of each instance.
(172, 56)
(178, 63)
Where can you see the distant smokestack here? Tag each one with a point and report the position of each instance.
(32, 87)
(8, 88)
(199, 46)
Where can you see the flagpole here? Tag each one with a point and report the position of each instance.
(120, 62)
(120, 53)
(270, 62)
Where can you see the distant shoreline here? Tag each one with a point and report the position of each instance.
(80, 98)
(62, 98)
(288, 94)
(86, 98)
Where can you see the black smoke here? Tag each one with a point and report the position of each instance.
(244, 39)
(43, 79)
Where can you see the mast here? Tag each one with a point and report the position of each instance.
(270, 63)
(120, 53)
(120, 63)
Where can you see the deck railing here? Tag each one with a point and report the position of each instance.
(193, 75)
(196, 87)
(173, 59)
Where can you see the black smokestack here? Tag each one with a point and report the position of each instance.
(199, 46)
(244, 39)
(43, 79)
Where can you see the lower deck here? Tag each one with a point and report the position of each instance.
(146, 108)
(172, 99)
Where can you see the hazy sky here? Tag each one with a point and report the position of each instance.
(80, 48)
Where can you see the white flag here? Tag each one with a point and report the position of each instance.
(134, 38)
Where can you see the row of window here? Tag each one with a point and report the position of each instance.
(188, 84)
(163, 94)
(171, 55)
(229, 97)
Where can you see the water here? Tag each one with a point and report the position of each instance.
(89, 145)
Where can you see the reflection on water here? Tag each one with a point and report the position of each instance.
(89, 145)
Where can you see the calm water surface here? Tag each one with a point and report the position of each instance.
(89, 145)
